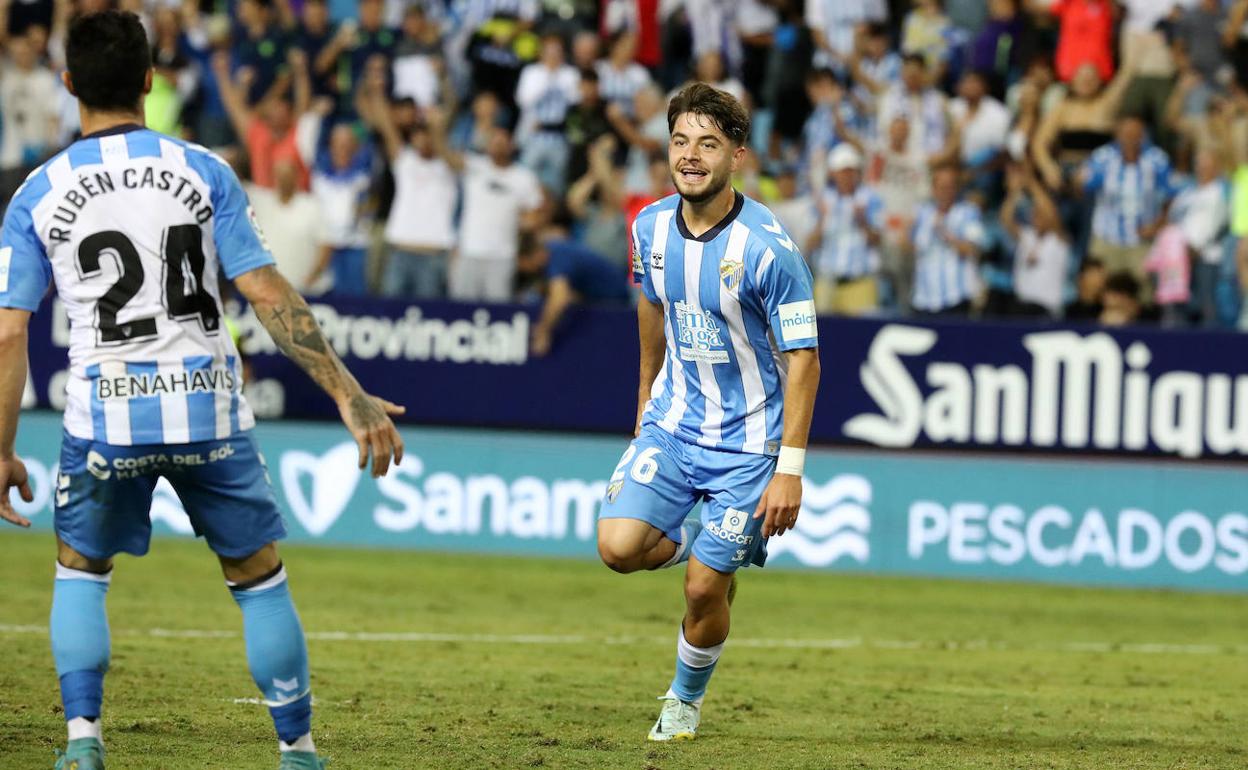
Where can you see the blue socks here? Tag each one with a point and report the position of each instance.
(80, 643)
(277, 654)
(694, 666)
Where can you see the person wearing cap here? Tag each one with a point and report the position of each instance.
(844, 246)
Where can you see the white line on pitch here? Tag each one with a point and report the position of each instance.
(422, 637)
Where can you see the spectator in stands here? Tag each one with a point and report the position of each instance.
(1084, 37)
(313, 35)
(1041, 249)
(645, 135)
(1235, 40)
(946, 241)
(588, 121)
(875, 67)
(202, 40)
(342, 178)
(28, 98)
(572, 274)
(832, 118)
(994, 50)
(658, 186)
(833, 23)
(418, 70)
(1120, 300)
(1130, 185)
(501, 200)
(926, 33)
(925, 107)
(1199, 30)
(844, 245)
(260, 48)
(1202, 213)
(420, 230)
(294, 227)
(473, 130)
(982, 126)
(597, 201)
(1089, 287)
(267, 130)
(902, 176)
(619, 76)
(547, 90)
(795, 209)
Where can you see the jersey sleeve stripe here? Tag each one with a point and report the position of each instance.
(142, 144)
(84, 153)
(768, 257)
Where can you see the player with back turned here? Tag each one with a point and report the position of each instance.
(729, 370)
(133, 227)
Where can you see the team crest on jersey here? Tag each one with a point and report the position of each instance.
(613, 490)
(638, 267)
(731, 268)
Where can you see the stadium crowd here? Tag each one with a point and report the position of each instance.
(1079, 159)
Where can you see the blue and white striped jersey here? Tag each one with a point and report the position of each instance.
(133, 227)
(1128, 195)
(943, 278)
(735, 299)
(844, 249)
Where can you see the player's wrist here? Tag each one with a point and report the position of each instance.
(791, 461)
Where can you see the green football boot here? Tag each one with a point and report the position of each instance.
(81, 754)
(302, 760)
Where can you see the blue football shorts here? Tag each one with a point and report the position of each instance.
(661, 478)
(104, 495)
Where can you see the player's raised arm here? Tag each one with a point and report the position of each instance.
(13, 323)
(293, 328)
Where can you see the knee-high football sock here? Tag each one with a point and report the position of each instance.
(278, 656)
(80, 646)
(694, 666)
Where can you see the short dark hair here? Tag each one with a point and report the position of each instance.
(1123, 282)
(728, 114)
(108, 59)
(914, 58)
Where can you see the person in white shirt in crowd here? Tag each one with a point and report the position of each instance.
(1042, 252)
(293, 226)
(619, 77)
(844, 245)
(982, 127)
(645, 134)
(931, 127)
(502, 199)
(29, 100)
(342, 179)
(946, 240)
(900, 173)
(833, 23)
(420, 230)
(876, 69)
(548, 88)
(1202, 212)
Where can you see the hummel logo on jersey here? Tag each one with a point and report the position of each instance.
(775, 229)
(656, 260)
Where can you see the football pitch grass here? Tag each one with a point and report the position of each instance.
(442, 661)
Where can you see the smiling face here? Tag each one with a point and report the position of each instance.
(701, 157)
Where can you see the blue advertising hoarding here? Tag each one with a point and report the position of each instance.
(1102, 522)
(895, 384)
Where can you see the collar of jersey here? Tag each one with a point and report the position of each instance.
(709, 235)
(124, 128)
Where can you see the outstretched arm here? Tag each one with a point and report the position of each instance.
(783, 497)
(13, 325)
(297, 334)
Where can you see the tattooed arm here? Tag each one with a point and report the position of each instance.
(297, 334)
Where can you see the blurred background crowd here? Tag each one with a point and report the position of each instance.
(1078, 159)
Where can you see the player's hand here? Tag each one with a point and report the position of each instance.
(13, 474)
(781, 501)
(368, 419)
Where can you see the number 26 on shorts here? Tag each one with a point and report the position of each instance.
(644, 465)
